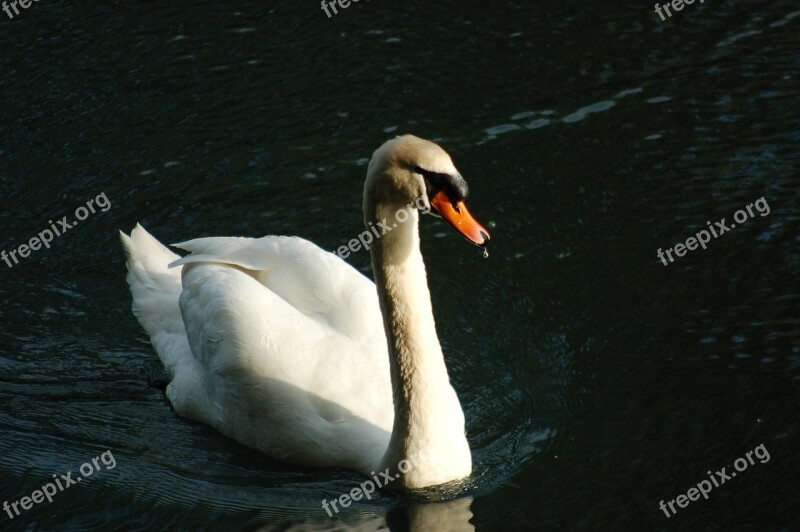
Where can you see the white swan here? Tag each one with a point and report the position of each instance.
(283, 346)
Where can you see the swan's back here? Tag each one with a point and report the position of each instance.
(273, 341)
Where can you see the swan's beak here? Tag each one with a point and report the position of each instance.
(456, 214)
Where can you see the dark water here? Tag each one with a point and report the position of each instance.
(596, 382)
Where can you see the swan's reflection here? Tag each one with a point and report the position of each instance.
(450, 516)
(447, 516)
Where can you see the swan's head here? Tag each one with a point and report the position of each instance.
(408, 172)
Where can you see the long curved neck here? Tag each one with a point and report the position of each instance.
(428, 426)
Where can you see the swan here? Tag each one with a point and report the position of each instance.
(289, 350)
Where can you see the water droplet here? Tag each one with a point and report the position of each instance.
(485, 253)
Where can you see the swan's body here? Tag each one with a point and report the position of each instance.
(283, 346)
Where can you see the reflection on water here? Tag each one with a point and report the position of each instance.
(449, 516)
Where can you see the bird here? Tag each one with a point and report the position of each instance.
(288, 349)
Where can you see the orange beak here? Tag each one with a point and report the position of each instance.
(457, 215)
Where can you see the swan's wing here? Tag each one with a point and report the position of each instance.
(315, 282)
(272, 359)
(311, 319)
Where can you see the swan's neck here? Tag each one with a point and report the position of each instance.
(428, 429)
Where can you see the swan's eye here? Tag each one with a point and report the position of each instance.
(435, 182)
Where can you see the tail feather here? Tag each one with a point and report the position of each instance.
(156, 289)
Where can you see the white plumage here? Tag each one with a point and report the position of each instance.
(282, 346)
